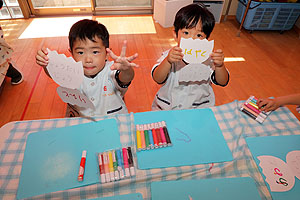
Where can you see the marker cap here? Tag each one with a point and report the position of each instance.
(112, 176)
(152, 125)
(107, 177)
(103, 179)
(145, 127)
(141, 127)
(84, 154)
(127, 173)
(121, 171)
(132, 171)
(117, 177)
(159, 124)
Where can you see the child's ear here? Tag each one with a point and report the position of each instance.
(107, 55)
(70, 51)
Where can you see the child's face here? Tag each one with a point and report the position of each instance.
(92, 54)
(195, 33)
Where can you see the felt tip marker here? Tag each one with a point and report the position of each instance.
(125, 160)
(82, 166)
(146, 133)
(120, 163)
(154, 135)
(158, 135)
(138, 138)
(106, 167)
(115, 164)
(166, 133)
(142, 137)
(257, 117)
(130, 162)
(150, 136)
(162, 134)
(101, 168)
(111, 166)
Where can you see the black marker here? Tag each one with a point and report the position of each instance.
(166, 133)
(130, 161)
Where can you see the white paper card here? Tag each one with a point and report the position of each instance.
(194, 72)
(280, 175)
(74, 97)
(66, 72)
(196, 51)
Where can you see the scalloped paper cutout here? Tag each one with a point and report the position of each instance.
(65, 71)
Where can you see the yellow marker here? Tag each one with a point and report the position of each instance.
(254, 105)
(111, 166)
(138, 138)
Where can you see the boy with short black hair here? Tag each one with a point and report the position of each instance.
(105, 82)
(196, 22)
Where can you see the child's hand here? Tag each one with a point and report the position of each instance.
(122, 62)
(218, 57)
(175, 55)
(41, 57)
(268, 104)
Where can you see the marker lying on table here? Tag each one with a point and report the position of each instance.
(138, 138)
(146, 134)
(106, 168)
(125, 159)
(101, 168)
(163, 137)
(169, 143)
(115, 164)
(150, 136)
(158, 135)
(111, 166)
(82, 166)
(130, 162)
(154, 134)
(120, 163)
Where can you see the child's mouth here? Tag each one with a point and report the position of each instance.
(88, 68)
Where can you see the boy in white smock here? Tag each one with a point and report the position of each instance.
(196, 22)
(105, 82)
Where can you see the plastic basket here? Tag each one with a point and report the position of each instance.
(268, 15)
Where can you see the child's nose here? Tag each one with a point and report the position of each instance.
(88, 59)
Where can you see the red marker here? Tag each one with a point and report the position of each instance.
(82, 166)
(125, 160)
(101, 168)
(158, 135)
(155, 140)
(162, 134)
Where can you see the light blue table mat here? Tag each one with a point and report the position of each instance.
(213, 189)
(52, 158)
(132, 196)
(277, 146)
(195, 135)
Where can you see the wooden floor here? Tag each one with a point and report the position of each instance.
(271, 67)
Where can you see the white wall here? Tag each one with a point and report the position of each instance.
(233, 7)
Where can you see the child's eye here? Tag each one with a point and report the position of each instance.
(96, 52)
(185, 33)
(80, 52)
(199, 36)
